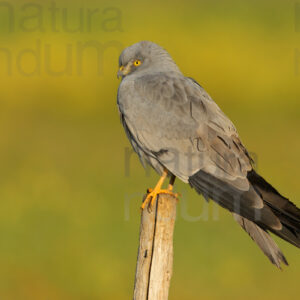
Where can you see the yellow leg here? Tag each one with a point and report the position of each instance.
(153, 193)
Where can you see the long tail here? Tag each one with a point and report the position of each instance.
(277, 215)
(263, 240)
(286, 211)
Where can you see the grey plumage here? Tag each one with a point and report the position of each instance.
(263, 240)
(173, 123)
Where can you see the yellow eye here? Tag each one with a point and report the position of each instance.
(121, 68)
(137, 62)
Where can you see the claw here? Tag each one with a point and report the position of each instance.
(153, 193)
(152, 196)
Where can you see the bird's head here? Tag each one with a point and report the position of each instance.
(145, 57)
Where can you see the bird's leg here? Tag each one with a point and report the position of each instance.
(171, 185)
(153, 193)
(171, 182)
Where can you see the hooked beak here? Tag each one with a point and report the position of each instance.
(124, 71)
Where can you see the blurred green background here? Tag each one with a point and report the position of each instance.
(69, 208)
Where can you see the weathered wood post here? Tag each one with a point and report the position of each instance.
(155, 254)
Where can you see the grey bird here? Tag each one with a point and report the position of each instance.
(176, 127)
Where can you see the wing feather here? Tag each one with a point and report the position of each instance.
(177, 115)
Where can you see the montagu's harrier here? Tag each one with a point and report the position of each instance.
(175, 126)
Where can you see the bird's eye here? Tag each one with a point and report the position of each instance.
(121, 68)
(137, 62)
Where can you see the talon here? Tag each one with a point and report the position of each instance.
(152, 196)
(153, 193)
(145, 202)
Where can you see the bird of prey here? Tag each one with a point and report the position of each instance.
(175, 126)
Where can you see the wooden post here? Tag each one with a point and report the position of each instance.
(155, 254)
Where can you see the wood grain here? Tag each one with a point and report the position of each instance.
(155, 254)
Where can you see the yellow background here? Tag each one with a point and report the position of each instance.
(69, 211)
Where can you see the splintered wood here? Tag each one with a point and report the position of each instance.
(155, 254)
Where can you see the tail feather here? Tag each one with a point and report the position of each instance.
(277, 214)
(263, 240)
(286, 211)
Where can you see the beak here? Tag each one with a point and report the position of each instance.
(126, 70)
(119, 74)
